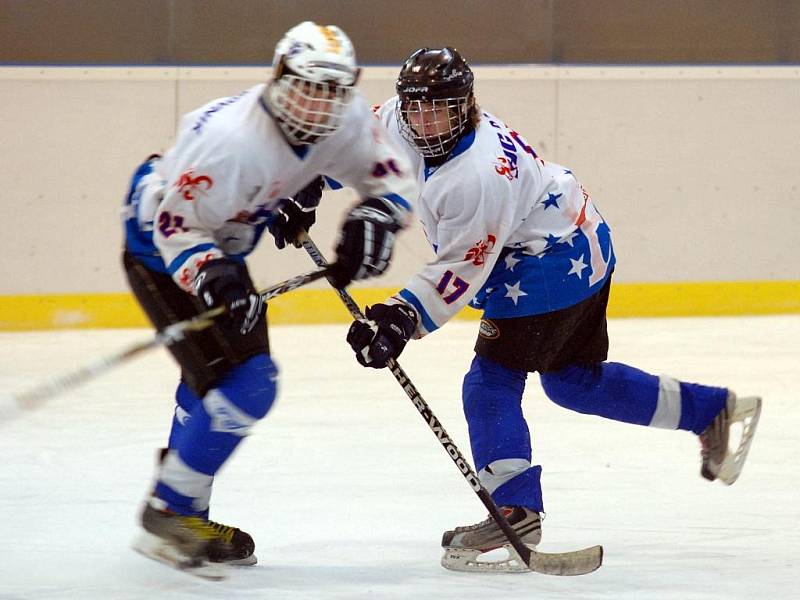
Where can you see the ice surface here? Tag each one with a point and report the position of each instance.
(346, 491)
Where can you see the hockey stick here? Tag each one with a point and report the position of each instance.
(578, 562)
(15, 404)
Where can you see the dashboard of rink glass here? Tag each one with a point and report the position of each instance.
(694, 169)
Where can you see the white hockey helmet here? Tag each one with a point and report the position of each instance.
(313, 80)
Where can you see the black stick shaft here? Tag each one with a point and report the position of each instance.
(427, 414)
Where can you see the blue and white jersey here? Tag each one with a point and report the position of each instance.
(513, 234)
(214, 192)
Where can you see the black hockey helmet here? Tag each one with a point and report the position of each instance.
(436, 104)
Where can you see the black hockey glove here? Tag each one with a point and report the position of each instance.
(222, 282)
(374, 344)
(366, 241)
(296, 215)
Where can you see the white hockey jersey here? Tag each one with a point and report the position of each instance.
(513, 234)
(214, 192)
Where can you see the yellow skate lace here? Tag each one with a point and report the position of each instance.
(206, 530)
(224, 532)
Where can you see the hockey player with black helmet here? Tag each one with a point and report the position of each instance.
(519, 238)
(240, 166)
(437, 105)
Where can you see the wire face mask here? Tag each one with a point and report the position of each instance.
(308, 110)
(314, 80)
(433, 126)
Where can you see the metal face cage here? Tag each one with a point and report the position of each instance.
(433, 126)
(308, 110)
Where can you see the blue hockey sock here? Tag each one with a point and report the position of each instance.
(623, 393)
(213, 430)
(185, 402)
(499, 435)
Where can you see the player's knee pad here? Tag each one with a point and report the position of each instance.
(243, 396)
(185, 401)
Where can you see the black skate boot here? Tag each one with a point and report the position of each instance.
(463, 545)
(235, 546)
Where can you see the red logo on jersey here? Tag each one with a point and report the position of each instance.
(187, 275)
(506, 168)
(188, 184)
(477, 254)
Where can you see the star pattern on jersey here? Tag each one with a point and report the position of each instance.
(567, 172)
(552, 200)
(513, 292)
(511, 262)
(567, 239)
(577, 267)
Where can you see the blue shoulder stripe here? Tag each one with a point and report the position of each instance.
(427, 322)
(399, 200)
(184, 256)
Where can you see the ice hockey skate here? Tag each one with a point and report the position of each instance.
(237, 546)
(463, 546)
(192, 544)
(718, 460)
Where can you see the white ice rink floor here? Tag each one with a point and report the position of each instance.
(346, 490)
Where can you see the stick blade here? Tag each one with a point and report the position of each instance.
(577, 562)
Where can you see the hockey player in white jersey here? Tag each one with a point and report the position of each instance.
(521, 239)
(240, 166)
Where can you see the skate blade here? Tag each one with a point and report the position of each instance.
(157, 549)
(747, 412)
(468, 560)
(248, 561)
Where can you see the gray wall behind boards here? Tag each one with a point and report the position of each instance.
(244, 32)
